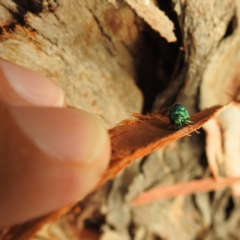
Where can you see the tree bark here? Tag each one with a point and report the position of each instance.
(111, 59)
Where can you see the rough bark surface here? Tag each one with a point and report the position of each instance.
(101, 53)
(86, 46)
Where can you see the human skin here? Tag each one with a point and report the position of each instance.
(50, 155)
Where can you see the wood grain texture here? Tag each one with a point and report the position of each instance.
(86, 47)
(96, 52)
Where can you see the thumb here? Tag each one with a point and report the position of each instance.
(49, 157)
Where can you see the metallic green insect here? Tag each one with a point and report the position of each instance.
(179, 116)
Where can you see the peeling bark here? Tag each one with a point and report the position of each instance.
(101, 53)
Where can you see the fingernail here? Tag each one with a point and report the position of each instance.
(65, 134)
(31, 86)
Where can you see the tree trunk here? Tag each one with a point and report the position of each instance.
(113, 58)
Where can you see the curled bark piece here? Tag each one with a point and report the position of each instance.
(131, 139)
(155, 18)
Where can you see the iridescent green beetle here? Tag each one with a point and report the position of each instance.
(179, 116)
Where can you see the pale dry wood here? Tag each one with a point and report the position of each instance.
(204, 26)
(220, 85)
(86, 52)
(154, 17)
(113, 2)
(88, 48)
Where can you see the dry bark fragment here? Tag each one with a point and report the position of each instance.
(131, 139)
(155, 18)
(204, 185)
(222, 144)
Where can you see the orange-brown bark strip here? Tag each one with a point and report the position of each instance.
(203, 185)
(131, 139)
